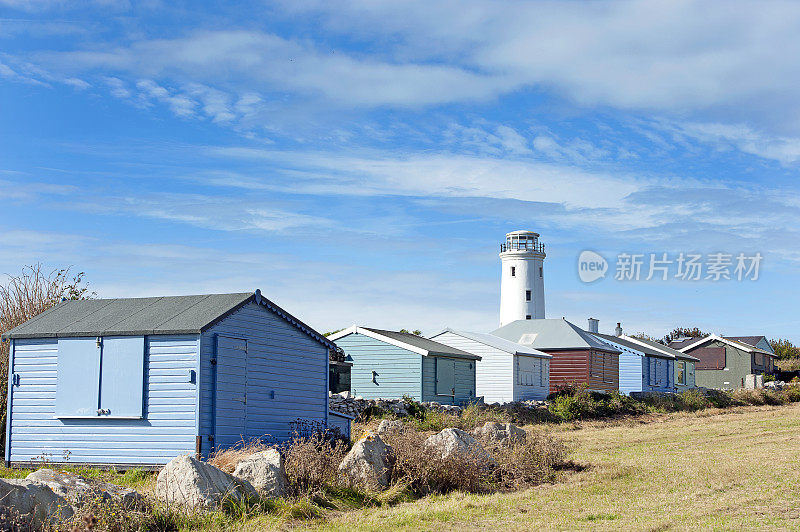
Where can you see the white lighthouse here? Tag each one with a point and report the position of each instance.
(522, 281)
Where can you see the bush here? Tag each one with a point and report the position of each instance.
(575, 404)
(312, 463)
(425, 472)
(692, 400)
(792, 394)
(227, 459)
(532, 461)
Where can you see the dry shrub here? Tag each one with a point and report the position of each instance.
(758, 397)
(312, 463)
(228, 459)
(530, 461)
(425, 471)
(25, 296)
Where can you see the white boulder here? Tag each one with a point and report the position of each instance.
(368, 464)
(34, 502)
(265, 471)
(389, 425)
(79, 490)
(499, 433)
(454, 443)
(190, 483)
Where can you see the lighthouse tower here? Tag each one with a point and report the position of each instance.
(522, 281)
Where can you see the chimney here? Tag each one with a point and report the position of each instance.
(618, 330)
(594, 325)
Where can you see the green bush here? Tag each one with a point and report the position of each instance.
(692, 400)
(571, 405)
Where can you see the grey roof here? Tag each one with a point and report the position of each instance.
(711, 337)
(551, 334)
(498, 343)
(647, 350)
(423, 343)
(679, 344)
(666, 349)
(750, 340)
(145, 316)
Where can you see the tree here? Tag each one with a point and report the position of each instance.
(645, 336)
(415, 332)
(680, 332)
(784, 349)
(27, 295)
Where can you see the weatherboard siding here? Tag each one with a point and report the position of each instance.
(494, 373)
(285, 377)
(168, 427)
(464, 381)
(398, 370)
(663, 371)
(568, 368)
(538, 391)
(631, 372)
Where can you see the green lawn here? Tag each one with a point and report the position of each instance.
(732, 470)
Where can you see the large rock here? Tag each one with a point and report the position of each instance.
(79, 490)
(265, 472)
(33, 502)
(368, 464)
(499, 433)
(452, 443)
(389, 425)
(190, 483)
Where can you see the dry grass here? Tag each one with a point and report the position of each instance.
(425, 471)
(529, 462)
(312, 464)
(733, 469)
(227, 459)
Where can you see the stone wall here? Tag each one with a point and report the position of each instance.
(345, 403)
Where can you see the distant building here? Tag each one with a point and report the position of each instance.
(391, 364)
(507, 371)
(723, 362)
(684, 371)
(647, 366)
(139, 381)
(579, 358)
(522, 277)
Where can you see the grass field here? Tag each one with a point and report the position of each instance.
(733, 470)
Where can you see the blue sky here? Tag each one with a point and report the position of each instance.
(362, 163)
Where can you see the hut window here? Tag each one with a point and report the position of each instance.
(100, 378)
(607, 362)
(680, 376)
(595, 366)
(527, 295)
(513, 271)
(527, 371)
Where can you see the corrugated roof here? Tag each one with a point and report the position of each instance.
(145, 316)
(550, 334)
(421, 342)
(498, 343)
(663, 348)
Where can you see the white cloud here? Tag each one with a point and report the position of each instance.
(783, 149)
